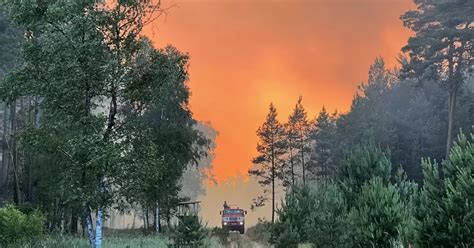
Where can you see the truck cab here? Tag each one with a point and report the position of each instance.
(233, 219)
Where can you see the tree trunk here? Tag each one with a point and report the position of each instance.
(292, 169)
(302, 157)
(302, 163)
(98, 229)
(451, 110)
(5, 155)
(273, 185)
(14, 156)
(145, 219)
(29, 161)
(157, 219)
(73, 227)
(89, 227)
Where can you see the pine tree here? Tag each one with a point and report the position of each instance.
(441, 48)
(446, 212)
(271, 148)
(361, 165)
(299, 128)
(292, 157)
(323, 142)
(378, 216)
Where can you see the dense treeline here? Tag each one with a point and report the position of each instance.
(365, 177)
(405, 118)
(94, 117)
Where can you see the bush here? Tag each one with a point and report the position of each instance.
(378, 216)
(17, 227)
(446, 209)
(290, 229)
(328, 224)
(261, 232)
(221, 233)
(359, 166)
(287, 238)
(315, 214)
(190, 231)
(363, 207)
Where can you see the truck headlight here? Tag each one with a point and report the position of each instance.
(241, 223)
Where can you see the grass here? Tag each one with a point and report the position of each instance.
(114, 241)
(108, 242)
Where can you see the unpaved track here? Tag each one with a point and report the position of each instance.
(242, 241)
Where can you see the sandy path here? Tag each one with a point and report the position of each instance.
(242, 241)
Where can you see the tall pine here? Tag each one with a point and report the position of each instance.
(441, 48)
(299, 126)
(271, 148)
(323, 140)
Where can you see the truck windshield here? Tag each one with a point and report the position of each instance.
(232, 211)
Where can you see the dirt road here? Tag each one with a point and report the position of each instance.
(242, 241)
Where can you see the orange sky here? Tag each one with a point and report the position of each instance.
(247, 53)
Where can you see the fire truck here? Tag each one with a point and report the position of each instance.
(233, 219)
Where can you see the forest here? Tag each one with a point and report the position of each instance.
(95, 119)
(397, 170)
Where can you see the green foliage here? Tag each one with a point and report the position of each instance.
(261, 232)
(378, 216)
(115, 120)
(136, 241)
(160, 136)
(287, 237)
(221, 233)
(190, 231)
(446, 209)
(297, 144)
(9, 38)
(271, 148)
(292, 217)
(406, 117)
(17, 227)
(323, 133)
(316, 215)
(441, 50)
(360, 165)
(328, 219)
(409, 195)
(361, 208)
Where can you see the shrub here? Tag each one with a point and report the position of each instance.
(378, 216)
(446, 209)
(328, 224)
(221, 234)
(190, 231)
(17, 227)
(290, 229)
(287, 237)
(261, 232)
(359, 166)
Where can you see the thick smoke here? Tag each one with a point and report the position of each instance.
(195, 176)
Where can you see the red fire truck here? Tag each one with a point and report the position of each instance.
(233, 219)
